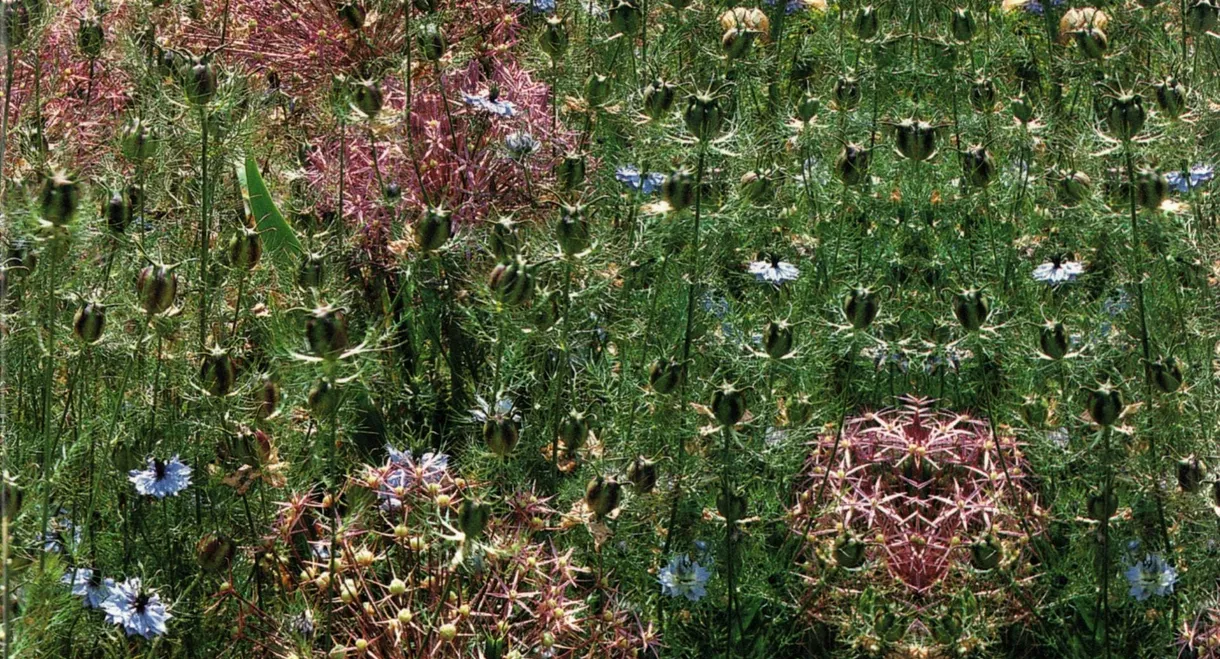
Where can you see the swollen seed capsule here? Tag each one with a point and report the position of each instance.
(848, 552)
(847, 93)
(1151, 189)
(574, 431)
(1125, 116)
(200, 83)
(137, 140)
(1101, 507)
(1022, 109)
(866, 24)
(323, 399)
(664, 376)
(971, 309)
(1074, 187)
(473, 518)
(326, 332)
(266, 398)
(505, 239)
(625, 17)
(597, 90)
(852, 164)
(703, 116)
(777, 339)
(983, 95)
(245, 249)
(1191, 473)
(60, 196)
(659, 98)
(312, 272)
(1171, 97)
(366, 96)
(573, 230)
(678, 190)
(570, 172)
(861, 308)
(915, 139)
(90, 37)
(602, 496)
(554, 39)
(642, 474)
(962, 25)
(432, 42)
(1166, 375)
(500, 436)
(89, 322)
(118, 213)
(731, 506)
(1092, 42)
(214, 552)
(736, 42)
(757, 187)
(985, 555)
(434, 229)
(1053, 341)
(807, 107)
(156, 288)
(980, 166)
(218, 372)
(728, 405)
(1105, 405)
(1202, 16)
(512, 283)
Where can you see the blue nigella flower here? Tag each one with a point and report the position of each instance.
(1117, 304)
(89, 585)
(774, 271)
(497, 107)
(406, 471)
(539, 6)
(629, 175)
(684, 578)
(791, 7)
(1058, 271)
(1035, 7)
(60, 528)
(136, 610)
(161, 479)
(521, 144)
(1198, 175)
(1151, 576)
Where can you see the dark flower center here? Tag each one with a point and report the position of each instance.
(159, 469)
(141, 602)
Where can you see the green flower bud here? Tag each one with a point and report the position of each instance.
(807, 107)
(980, 166)
(1022, 109)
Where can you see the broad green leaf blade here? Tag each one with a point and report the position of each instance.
(278, 237)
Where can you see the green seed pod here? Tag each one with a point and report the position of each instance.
(432, 42)
(156, 288)
(200, 83)
(473, 518)
(986, 554)
(1125, 116)
(312, 272)
(980, 166)
(1151, 189)
(602, 496)
(642, 474)
(1202, 16)
(971, 309)
(625, 17)
(703, 116)
(574, 432)
(505, 240)
(848, 552)
(866, 23)
(659, 98)
(728, 405)
(89, 322)
(597, 90)
(962, 25)
(90, 37)
(664, 376)
(326, 332)
(512, 282)
(546, 310)
(218, 372)
(118, 213)
(266, 398)
(1105, 405)
(323, 399)
(852, 164)
(366, 97)
(1053, 341)
(861, 307)
(554, 39)
(847, 93)
(807, 108)
(570, 172)
(1092, 42)
(1166, 375)
(1022, 109)
(983, 95)
(915, 139)
(758, 187)
(573, 230)
(137, 140)
(1191, 473)
(60, 196)
(1101, 507)
(736, 42)
(352, 14)
(214, 552)
(500, 435)
(245, 249)
(777, 339)
(679, 190)
(1171, 97)
(1074, 187)
(731, 506)
(434, 229)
